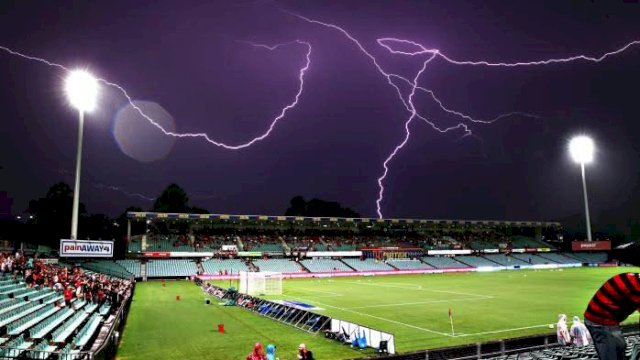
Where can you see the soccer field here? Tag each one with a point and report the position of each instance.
(414, 308)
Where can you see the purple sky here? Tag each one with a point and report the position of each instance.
(188, 62)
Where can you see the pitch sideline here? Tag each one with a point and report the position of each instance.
(378, 317)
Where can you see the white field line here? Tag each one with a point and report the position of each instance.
(413, 287)
(378, 317)
(417, 303)
(501, 331)
(334, 294)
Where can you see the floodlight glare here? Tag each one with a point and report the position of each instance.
(581, 149)
(82, 90)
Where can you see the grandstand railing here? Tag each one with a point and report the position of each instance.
(107, 348)
(492, 348)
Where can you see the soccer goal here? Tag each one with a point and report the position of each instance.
(260, 283)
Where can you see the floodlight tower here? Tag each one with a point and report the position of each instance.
(581, 149)
(82, 91)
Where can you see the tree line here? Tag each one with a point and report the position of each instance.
(49, 217)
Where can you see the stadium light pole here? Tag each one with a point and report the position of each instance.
(82, 91)
(581, 149)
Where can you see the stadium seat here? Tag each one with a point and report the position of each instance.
(475, 261)
(87, 331)
(45, 327)
(442, 262)
(61, 334)
(324, 265)
(214, 266)
(506, 260)
(278, 265)
(171, 268)
(409, 264)
(24, 323)
(367, 264)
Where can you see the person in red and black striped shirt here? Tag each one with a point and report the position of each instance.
(616, 299)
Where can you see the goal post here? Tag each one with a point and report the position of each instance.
(260, 283)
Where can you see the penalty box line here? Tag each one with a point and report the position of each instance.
(412, 287)
(417, 303)
(377, 317)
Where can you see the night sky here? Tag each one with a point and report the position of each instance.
(189, 66)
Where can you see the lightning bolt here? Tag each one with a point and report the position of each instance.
(221, 144)
(102, 186)
(387, 42)
(118, 189)
(272, 125)
(391, 79)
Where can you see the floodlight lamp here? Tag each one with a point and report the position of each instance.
(581, 149)
(82, 90)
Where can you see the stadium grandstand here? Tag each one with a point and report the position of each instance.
(215, 251)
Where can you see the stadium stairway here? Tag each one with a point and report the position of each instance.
(143, 270)
(285, 246)
(239, 243)
(199, 266)
(144, 243)
(347, 265)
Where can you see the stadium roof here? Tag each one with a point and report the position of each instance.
(183, 216)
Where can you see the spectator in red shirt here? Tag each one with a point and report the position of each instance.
(68, 294)
(616, 299)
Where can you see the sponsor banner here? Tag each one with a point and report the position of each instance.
(491, 251)
(85, 248)
(164, 254)
(449, 252)
(333, 253)
(607, 264)
(591, 245)
(250, 253)
(156, 254)
(231, 248)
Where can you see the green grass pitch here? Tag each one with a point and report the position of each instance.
(486, 306)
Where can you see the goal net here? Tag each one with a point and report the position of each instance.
(260, 283)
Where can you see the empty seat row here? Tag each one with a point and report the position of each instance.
(42, 350)
(325, 265)
(214, 266)
(278, 265)
(23, 310)
(24, 323)
(40, 330)
(62, 333)
(171, 268)
(367, 265)
(87, 331)
(443, 262)
(14, 348)
(409, 264)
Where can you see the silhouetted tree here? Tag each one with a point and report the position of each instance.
(173, 199)
(318, 208)
(51, 215)
(199, 210)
